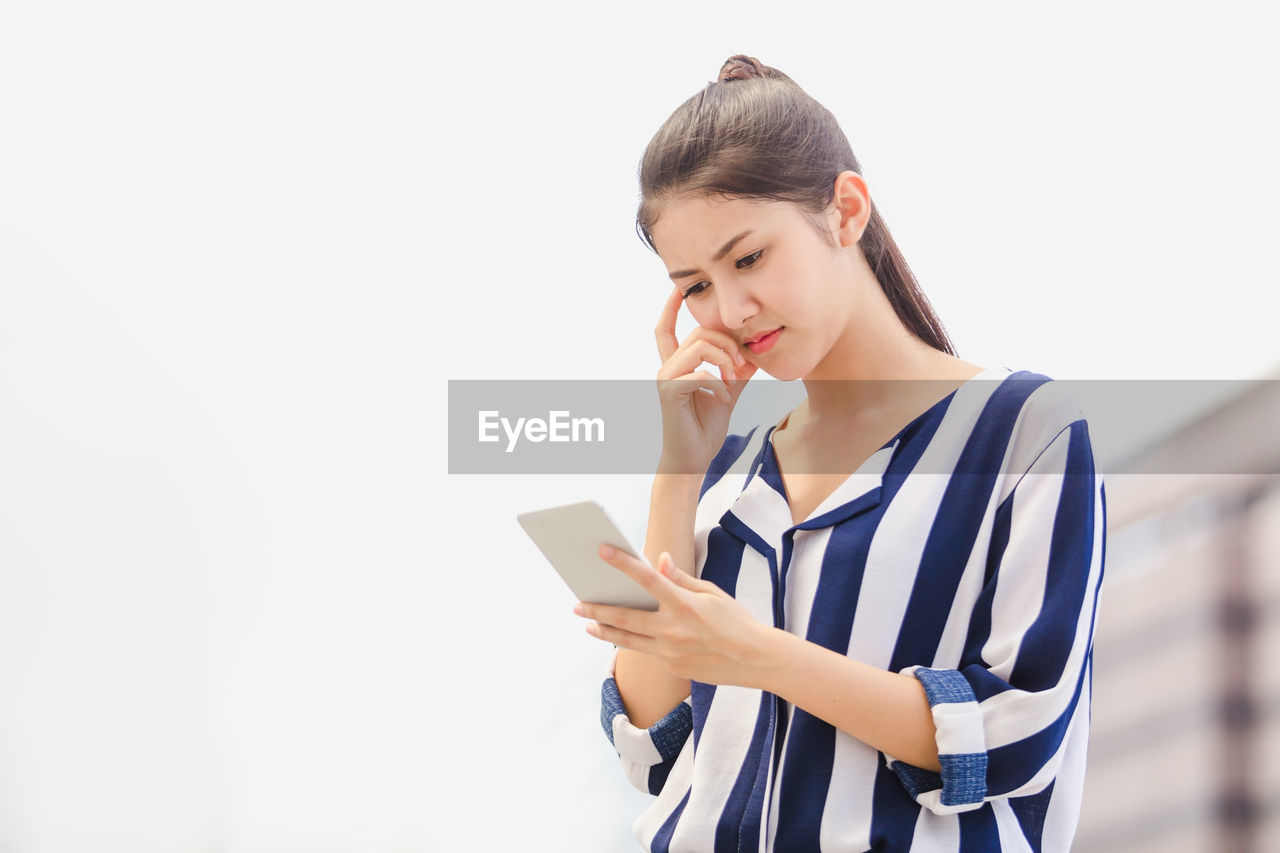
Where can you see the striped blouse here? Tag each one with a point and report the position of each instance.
(968, 551)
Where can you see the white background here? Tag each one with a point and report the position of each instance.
(243, 247)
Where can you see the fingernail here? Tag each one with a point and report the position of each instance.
(577, 608)
(606, 551)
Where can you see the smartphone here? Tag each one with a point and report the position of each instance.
(570, 537)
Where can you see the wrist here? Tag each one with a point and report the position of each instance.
(773, 657)
(678, 465)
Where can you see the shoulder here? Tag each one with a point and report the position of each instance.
(1031, 412)
(1036, 407)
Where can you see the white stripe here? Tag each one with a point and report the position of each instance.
(1017, 714)
(731, 718)
(940, 832)
(868, 477)
(632, 743)
(1068, 789)
(1045, 413)
(894, 554)
(846, 817)
(1021, 585)
(720, 496)
(646, 826)
(1011, 838)
(808, 549)
(893, 560)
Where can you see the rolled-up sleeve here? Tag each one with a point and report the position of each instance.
(1017, 702)
(647, 755)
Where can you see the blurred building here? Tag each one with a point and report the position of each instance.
(1185, 748)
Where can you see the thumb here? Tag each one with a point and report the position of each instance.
(675, 575)
(738, 383)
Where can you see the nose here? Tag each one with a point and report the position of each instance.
(736, 305)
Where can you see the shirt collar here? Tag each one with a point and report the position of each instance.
(762, 507)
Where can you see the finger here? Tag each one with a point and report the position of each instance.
(738, 383)
(719, 339)
(640, 572)
(694, 352)
(681, 578)
(619, 637)
(669, 570)
(690, 383)
(626, 618)
(666, 329)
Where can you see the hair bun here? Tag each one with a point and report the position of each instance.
(743, 67)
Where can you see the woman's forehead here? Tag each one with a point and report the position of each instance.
(701, 224)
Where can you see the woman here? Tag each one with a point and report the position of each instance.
(876, 616)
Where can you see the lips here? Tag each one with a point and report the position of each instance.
(763, 343)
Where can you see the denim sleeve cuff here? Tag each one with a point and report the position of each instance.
(962, 750)
(659, 743)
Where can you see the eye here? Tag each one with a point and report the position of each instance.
(749, 260)
(696, 289)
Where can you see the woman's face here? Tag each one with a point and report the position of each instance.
(760, 272)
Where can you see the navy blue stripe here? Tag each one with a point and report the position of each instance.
(732, 524)
(917, 780)
(736, 816)
(893, 812)
(1011, 766)
(670, 733)
(721, 567)
(753, 814)
(1051, 636)
(662, 839)
(770, 471)
(805, 770)
(964, 778)
(658, 774)
(780, 588)
(980, 620)
(728, 454)
(1030, 812)
(944, 685)
(610, 706)
(914, 439)
(831, 517)
(978, 831)
(810, 754)
(700, 696)
(724, 559)
(963, 505)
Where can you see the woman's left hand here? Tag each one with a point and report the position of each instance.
(699, 631)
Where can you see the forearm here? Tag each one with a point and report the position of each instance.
(885, 710)
(673, 502)
(648, 691)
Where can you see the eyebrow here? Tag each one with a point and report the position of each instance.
(724, 250)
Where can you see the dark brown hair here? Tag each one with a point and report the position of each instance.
(754, 133)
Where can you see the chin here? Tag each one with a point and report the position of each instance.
(782, 374)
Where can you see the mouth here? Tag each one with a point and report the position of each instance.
(763, 343)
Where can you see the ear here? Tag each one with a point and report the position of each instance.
(851, 201)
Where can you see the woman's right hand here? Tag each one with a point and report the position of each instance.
(695, 422)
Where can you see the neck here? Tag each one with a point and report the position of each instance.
(876, 351)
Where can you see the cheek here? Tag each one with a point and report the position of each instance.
(704, 312)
